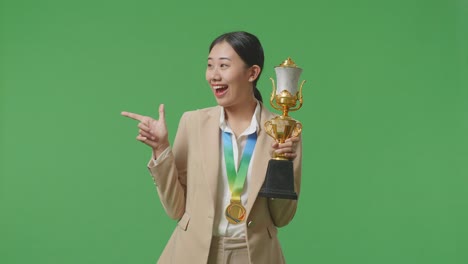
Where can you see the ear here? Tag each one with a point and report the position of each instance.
(254, 71)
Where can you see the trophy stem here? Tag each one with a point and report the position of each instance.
(285, 110)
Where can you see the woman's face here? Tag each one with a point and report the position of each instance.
(229, 77)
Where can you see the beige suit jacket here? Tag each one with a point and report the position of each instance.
(187, 179)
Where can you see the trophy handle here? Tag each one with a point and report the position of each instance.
(299, 95)
(272, 98)
(297, 129)
(269, 129)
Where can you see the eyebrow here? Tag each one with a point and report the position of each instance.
(222, 58)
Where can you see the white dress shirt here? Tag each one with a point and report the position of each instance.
(221, 226)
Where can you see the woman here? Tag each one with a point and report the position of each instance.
(220, 218)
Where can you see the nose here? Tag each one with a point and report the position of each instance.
(213, 75)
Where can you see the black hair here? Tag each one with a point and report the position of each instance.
(249, 49)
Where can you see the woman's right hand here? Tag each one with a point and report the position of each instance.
(152, 132)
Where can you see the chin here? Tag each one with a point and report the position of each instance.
(224, 102)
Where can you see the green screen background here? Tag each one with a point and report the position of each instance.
(385, 115)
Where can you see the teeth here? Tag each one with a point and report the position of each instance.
(219, 87)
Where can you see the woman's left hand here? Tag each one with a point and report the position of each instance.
(288, 148)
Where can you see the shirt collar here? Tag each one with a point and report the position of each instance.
(253, 127)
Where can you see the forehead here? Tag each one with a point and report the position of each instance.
(223, 50)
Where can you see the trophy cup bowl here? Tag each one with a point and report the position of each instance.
(279, 179)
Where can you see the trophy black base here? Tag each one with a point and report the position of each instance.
(279, 180)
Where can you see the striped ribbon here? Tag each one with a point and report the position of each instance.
(236, 178)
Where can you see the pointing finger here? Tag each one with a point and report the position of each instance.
(133, 116)
(162, 114)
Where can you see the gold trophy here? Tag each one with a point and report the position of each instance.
(279, 180)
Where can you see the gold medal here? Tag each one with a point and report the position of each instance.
(235, 212)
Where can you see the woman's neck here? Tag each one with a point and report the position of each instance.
(240, 116)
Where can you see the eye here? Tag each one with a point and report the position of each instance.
(224, 65)
(209, 66)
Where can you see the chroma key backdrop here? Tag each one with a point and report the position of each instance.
(385, 124)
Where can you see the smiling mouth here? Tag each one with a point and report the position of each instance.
(220, 89)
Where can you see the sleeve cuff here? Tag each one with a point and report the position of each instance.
(154, 162)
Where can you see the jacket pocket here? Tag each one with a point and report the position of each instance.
(272, 231)
(184, 221)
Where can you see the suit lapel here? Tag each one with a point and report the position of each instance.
(209, 148)
(261, 158)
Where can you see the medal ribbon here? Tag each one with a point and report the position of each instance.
(236, 179)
